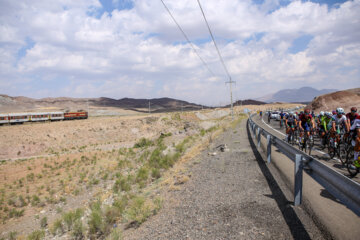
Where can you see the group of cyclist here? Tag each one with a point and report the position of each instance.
(333, 124)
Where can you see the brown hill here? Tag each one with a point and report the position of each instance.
(19, 104)
(328, 102)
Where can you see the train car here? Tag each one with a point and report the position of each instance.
(4, 119)
(38, 117)
(56, 116)
(19, 118)
(75, 115)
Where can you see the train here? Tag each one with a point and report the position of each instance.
(20, 118)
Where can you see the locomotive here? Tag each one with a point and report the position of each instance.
(13, 118)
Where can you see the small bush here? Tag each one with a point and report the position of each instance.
(43, 222)
(57, 227)
(70, 217)
(12, 235)
(138, 210)
(142, 175)
(155, 173)
(121, 184)
(36, 235)
(78, 230)
(143, 143)
(115, 234)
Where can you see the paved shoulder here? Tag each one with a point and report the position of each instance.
(229, 196)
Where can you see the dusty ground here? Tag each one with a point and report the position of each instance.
(49, 169)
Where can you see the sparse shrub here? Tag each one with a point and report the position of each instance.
(121, 203)
(16, 213)
(142, 176)
(78, 230)
(70, 217)
(57, 227)
(143, 142)
(121, 184)
(155, 173)
(138, 210)
(43, 222)
(115, 234)
(30, 177)
(36, 235)
(35, 201)
(95, 219)
(12, 235)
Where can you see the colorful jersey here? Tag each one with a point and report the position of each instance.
(326, 122)
(352, 117)
(305, 118)
(339, 120)
(290, 119)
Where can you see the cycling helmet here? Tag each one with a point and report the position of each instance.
(340, 111)
(328, 114)
(307, 111)
(353, 109)
(291, 113)
(322, 113)
(334, 112)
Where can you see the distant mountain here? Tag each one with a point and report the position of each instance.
(328, 102)
(247, 102)
(16, 104)
(301, 95)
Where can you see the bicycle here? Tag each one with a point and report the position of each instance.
(337, 147)
(307, 144)
(350, 165)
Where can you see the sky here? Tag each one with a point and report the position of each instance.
(132, 48)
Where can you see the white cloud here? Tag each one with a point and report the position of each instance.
(118, 54)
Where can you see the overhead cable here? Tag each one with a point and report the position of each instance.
(187, 39)
(217, 49)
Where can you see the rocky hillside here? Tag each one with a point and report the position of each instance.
(18, 104)
(345, 99)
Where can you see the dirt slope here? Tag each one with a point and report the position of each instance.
(345, 99)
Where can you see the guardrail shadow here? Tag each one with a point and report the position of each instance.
(296, 227)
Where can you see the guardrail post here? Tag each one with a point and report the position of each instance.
(258, 136)
(298, 179)
(268, 148)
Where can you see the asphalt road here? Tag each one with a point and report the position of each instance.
(329, 213)
(232, 195)
(317, 152)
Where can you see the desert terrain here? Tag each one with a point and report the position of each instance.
(75, 179)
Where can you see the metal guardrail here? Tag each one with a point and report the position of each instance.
(340, 186)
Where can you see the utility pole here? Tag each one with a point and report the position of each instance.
(149, 108)
(181, 107)
(231, 99)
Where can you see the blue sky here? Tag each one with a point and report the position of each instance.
(124, 48)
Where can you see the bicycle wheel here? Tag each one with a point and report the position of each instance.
(309, 146)
(352, 169)
(342, 154)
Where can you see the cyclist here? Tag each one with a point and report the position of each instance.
(339, 121)
(356, 127)
(290, 123)
(282, 115)
(306, 121)
(351, 116)
(325, 125)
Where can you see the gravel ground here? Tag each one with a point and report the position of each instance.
(231, 195)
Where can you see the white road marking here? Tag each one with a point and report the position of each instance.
(325, 154)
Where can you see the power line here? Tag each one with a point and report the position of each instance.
(221, 59)
(187, 39)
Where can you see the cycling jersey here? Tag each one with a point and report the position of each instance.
(305, 118)
(339, 120)
(305, 121)
(356, 124)
(352, 117)
(325, 122)
(290, 119)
